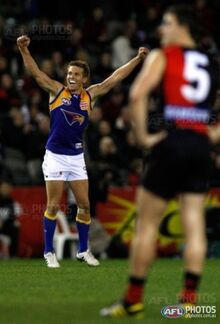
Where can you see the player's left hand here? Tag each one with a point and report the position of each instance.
(214, 134)
(150, 140)
(143, 52)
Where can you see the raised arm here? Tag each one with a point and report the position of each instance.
(44, 81)
(147, 80)
(121, 73)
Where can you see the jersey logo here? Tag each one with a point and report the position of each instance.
(66, 101)
(72, 117)
(84, 105)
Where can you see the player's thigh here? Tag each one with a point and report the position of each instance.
(54, 191)
(150, 209)
(80, 190)
(192, 213)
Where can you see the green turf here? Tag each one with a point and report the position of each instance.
(31, 293)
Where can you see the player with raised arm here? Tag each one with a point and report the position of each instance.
(70, 106)
(180, 156)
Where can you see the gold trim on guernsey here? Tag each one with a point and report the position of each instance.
(85, 100)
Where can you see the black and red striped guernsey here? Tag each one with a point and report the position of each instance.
(189, 88)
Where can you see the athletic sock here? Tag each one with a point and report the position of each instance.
(189, 292)
(134, 292)
(49, 229)
(83, 230)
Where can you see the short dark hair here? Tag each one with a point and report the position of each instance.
(82, 64)
(185, 16)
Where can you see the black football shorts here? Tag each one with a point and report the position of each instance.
(180, 163)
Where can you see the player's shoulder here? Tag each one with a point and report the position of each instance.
(155, 52)
(155, 55)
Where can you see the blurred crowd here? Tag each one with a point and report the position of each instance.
(106, 34)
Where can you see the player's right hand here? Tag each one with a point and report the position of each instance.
(23, 41)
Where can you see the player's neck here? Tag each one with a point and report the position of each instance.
(186, 41)
(75, 92)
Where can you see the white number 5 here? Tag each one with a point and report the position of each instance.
(194, 72)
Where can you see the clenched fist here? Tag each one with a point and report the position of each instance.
(23, 41)
(143, 52)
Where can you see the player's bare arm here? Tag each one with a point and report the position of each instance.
(147, 80)
(43, 80)
(118, 75)
(214, 134)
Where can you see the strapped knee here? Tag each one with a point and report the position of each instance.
(50, 216)
(83, 216)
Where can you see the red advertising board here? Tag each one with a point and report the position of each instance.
(117, 215)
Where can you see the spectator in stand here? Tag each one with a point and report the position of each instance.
(92, 133)
(149, 19)
(112, 107)
(94, 29)
(48, 67)
(58, 64)
(133, 157)
(148, 25)
(8, 94)
(111, 161)
(9, 225)
(104, 67)
(75, 43)
(36, 137)
(130, 149)
(123, 121)
(123, 45)
(3, 65)
(122, 126)
(13, 131)
(205, 14)
(104, 128)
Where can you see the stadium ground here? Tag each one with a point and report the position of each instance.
(33, 294)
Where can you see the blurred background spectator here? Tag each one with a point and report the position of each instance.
(9, 226)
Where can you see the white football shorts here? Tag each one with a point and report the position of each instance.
(64, 167)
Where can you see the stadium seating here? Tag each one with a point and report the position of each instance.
(16, 164)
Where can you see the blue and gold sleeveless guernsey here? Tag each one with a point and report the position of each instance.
(69, 118)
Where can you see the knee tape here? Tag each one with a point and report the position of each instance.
(49, 216)
(82, 211)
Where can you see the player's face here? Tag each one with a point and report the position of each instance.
(75, 78)
(170, 30)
